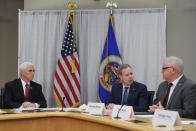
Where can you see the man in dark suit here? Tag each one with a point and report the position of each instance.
(128, 92)
(23, 92)
(177, 92)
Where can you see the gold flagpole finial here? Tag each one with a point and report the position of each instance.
(71, 5)
(111, 5)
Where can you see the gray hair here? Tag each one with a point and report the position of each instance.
(121, 67)
(24, 65)
(176, 62)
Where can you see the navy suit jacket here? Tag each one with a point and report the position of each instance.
(183, 98)
(138, 96)
(14, 94)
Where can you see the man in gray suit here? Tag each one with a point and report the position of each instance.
(177, 92)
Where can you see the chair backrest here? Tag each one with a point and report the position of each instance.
(150, 97)
(1, 96)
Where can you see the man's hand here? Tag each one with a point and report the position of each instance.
(110, 106)
(28, 105)
(157, 106)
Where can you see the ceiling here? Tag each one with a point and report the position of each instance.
(100, 4)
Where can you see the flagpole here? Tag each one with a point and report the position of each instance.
(110, 60)
(110, 5)
(72, 6)
(66, 77)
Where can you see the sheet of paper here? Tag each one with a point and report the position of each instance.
(1, 111)
(149, 116)
(193, 122)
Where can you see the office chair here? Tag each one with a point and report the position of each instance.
(1, 97)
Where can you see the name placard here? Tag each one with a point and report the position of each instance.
(165, 118)
(95, 108)
(123, 112)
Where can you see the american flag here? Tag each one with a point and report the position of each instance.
(67, 77)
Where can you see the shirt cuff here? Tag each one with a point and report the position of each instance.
(37, 105)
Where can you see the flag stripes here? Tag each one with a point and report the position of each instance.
(67, 80)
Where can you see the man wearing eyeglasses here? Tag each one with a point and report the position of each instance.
(177, 92)
(23, 92)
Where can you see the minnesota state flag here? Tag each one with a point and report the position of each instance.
(110, 62)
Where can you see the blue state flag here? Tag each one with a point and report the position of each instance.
(110, 62)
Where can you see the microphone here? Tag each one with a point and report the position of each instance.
(117, 116)
(124, 101)
(62, 105)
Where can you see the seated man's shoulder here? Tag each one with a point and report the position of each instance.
(12, 82)
(163, 84)
(190, 82)
(140, 85)
(35, 83)
(117, 85)
(188, 86)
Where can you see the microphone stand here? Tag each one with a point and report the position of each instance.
(62, 105)
(117, 116)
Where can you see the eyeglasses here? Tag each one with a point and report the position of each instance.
(164, 68)
(31, 70)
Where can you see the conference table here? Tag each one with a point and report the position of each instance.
(74, 121)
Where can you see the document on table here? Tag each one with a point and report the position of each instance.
(193, 122)
(144, 116)
(1, 111)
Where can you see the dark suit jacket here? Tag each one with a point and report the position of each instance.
(183, 98)
(14, 94)
(138, 97)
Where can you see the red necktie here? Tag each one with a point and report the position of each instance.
(27, 90)
(167, 95)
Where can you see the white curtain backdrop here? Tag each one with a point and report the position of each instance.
(140, 35)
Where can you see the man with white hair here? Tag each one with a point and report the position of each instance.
(23, 92)
(177, 92)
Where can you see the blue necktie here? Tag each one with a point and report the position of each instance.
(125, 96)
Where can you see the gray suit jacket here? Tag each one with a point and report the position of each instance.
(183, 98)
